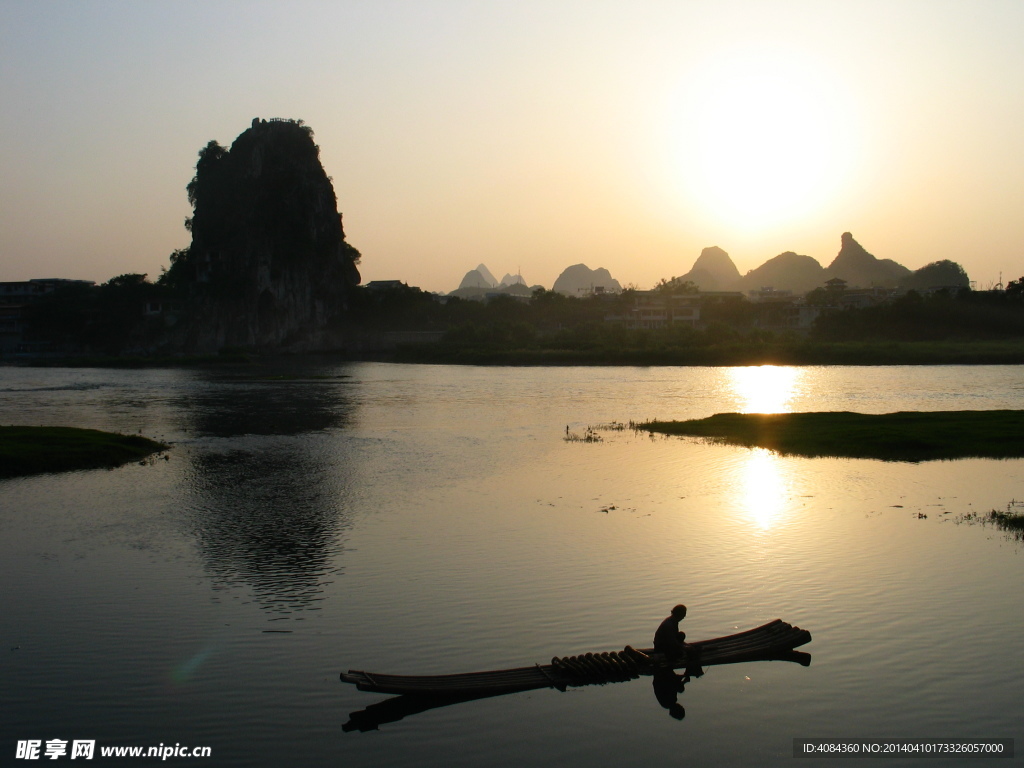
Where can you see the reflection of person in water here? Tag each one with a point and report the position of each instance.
(667, 687)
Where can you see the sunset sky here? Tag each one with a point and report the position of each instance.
(527, 135)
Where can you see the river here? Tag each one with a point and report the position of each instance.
(313, 517)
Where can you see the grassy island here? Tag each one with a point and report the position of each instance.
(904, 436)
(33, 450)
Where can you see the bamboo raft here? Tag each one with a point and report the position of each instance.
(775, 640)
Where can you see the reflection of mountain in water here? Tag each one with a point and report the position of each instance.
(269, 498)
(230, 407)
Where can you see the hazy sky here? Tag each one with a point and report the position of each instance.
(527, 135)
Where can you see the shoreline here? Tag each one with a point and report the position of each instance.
(800, 353)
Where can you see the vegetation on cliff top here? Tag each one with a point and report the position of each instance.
(904, 436)
(33, 450)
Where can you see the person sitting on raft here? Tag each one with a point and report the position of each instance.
(668, 639)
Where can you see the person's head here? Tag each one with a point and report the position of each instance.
(679, 612)
(677, 711)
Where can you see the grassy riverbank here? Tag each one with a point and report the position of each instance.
(33, 450)
(904, 436)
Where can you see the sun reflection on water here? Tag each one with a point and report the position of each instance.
(763, 488)
(765, 388)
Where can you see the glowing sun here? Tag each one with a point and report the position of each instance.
(763, 140)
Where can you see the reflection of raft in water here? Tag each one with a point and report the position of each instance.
(773, 641)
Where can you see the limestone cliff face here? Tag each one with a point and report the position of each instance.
(268, 266)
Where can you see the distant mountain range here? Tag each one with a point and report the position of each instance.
(480, 282)
(715, 271)
(577, 280)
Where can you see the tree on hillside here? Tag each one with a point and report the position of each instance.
(676, 286)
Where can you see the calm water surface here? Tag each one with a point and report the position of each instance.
(314, 517)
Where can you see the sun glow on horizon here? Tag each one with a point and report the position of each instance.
(764, 140)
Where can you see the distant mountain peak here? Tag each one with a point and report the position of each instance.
(716, 260)
(859, 268)
(486, 273)
(713, 270)
(851, 251)
(580, 280)
(788, 271)
(474, 279)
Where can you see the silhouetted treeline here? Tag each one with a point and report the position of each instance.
(406, 308)
(960, 327)
(590, 329)
(104, 319)
(553, 321)
(128, 314)
(966, 315)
